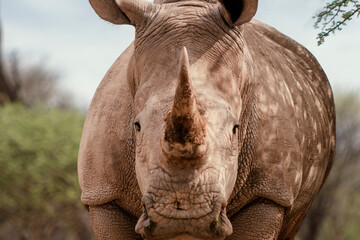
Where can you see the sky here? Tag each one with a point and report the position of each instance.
(68, 37)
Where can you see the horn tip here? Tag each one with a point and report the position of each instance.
(184, 55)
(184, 59)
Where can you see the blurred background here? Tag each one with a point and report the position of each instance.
(53, 55)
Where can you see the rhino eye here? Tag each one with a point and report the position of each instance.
(137, 126)
(235, 128)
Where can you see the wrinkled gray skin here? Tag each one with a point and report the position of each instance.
(209, 126)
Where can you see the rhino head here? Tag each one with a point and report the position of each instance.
(188, 73)
(186, 160)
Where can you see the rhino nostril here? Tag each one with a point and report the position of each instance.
(218, 226)
(215, 227)
(178, 205)
(149, 227)
(145, 226)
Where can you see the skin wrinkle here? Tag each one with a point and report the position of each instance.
(234, 33)
(182, 188)
(174, 36)
(245, 160)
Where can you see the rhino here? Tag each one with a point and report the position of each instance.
(210, 125)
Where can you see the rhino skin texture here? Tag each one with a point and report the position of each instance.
(210, 125)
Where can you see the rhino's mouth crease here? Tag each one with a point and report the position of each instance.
(218, 228)
(173, 206)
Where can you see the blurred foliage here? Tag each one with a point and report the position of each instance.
(335, 213)
(39, 194)
(334, 17)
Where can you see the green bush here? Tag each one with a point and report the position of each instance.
(39, 192)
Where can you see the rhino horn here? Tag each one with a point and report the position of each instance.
(185, 127)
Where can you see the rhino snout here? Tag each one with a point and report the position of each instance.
(214, 226)
(179, 205)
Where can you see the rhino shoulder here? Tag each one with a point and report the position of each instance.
(294, 130)
(270, 48)
(106, 156)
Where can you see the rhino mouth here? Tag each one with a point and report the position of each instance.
(213, 226)
(172, 209)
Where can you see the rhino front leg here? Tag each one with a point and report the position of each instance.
(261, 219)
(110, 222)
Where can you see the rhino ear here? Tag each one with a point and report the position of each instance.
(237, 12)
(122, 11)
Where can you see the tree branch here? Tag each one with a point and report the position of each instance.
(321, 36)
